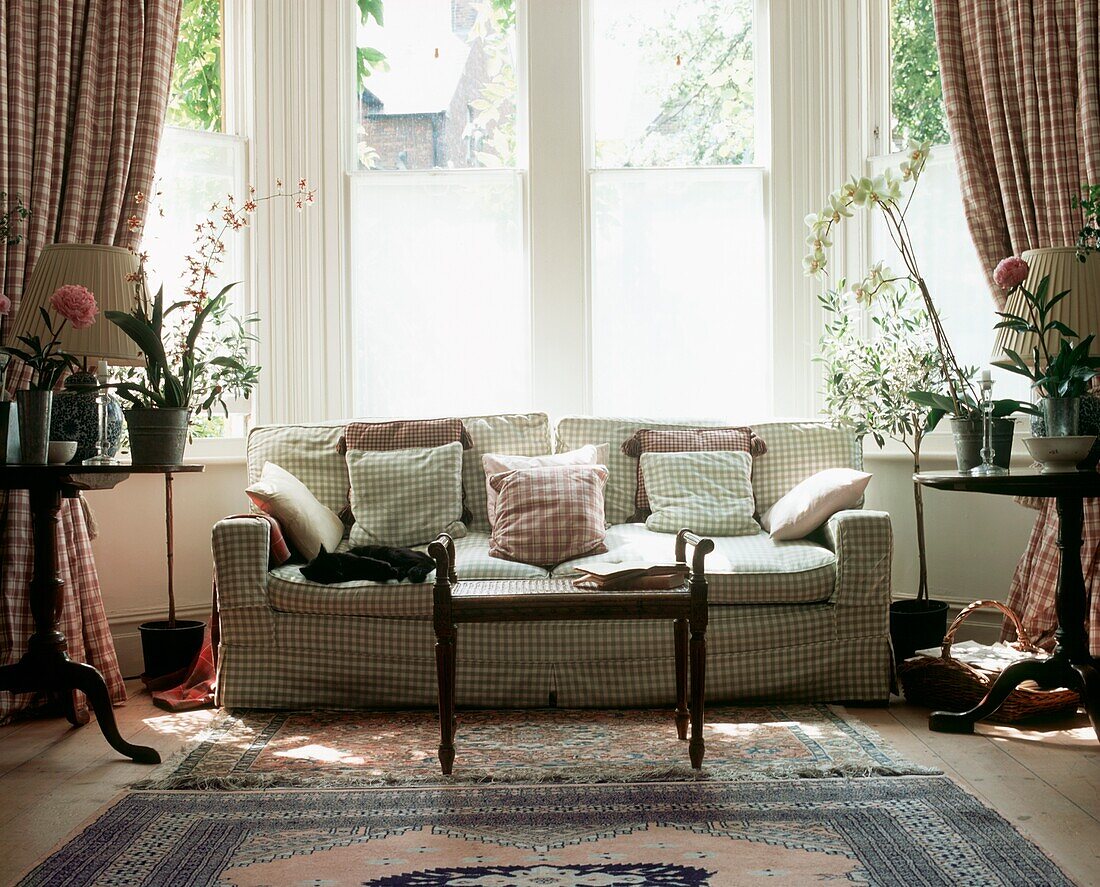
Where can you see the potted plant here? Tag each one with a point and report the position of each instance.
(867, 386)
(197, 353)
(886, 195)
(1060, 376)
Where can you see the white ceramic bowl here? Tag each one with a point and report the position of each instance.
(1058, 454)
(61, 451)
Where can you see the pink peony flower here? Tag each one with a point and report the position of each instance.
(76, 304)
(5, 304)
(1010, 272)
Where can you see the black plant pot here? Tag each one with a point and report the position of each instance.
(166, 650)
(916, 625)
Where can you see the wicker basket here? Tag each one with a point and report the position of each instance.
(946, 684)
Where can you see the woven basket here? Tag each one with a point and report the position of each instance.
(946, 684)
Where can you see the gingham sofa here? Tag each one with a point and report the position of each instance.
(793, 621)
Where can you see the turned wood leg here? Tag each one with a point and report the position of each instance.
(698, 684)
(445, 664)
(1090, 693)
(680, 631)
(90, 682)
(68, 706)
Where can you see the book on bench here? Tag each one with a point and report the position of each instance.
(647, 575)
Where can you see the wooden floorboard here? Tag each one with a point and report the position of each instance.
(1045, 781)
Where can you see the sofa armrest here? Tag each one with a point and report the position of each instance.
(241, 546)
(863, 542)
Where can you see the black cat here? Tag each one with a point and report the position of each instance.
(412, 565)
(329, 568)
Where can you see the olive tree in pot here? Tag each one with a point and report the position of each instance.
(867, 386)
(197, 354)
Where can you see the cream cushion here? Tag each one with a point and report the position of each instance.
(814, 501)
(307, 523)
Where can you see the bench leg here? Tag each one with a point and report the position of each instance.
(445, 675)
(698, 684)
(680, 628)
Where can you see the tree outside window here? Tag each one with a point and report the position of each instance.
(916, 91)
(195, 100)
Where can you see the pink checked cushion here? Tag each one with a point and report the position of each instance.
(405, 434)
(496, 463)
(686, 440)
(548, 515)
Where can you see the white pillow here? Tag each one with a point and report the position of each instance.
(307, 523)
(498, 463)
(707, 491)
(406, 497)
(814, 501)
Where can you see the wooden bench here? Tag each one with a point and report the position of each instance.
(528, 600)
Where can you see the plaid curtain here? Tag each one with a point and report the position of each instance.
(83, 93)
(1021, 83)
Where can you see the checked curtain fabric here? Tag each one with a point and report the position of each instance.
(1021, 84)
(83, 93)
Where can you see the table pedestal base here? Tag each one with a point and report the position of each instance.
(1049, 674)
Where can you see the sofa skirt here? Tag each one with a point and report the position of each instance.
(791, 653)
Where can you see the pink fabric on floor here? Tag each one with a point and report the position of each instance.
(83, 619)
(193, 687)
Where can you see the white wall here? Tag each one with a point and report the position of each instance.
(130, 548)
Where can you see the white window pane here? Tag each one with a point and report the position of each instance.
(672, 83)
(441, 314)
(949, 264)
(194, 171)
(680, 320)
(436, 84)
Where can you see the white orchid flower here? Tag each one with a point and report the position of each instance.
(813, 266)
(864, 191)
(837, 207)
(818, 243)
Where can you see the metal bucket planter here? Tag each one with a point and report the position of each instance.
(968, 442)
(157, 436)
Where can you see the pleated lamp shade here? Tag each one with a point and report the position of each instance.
(1080, 310)
(101, 269)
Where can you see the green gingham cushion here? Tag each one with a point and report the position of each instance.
(521, 434)
(309, 452)
(710, 492)
(405, 497)
(797, 450)
(574, 432)
(741, 569)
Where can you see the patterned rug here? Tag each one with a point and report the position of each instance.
(911, 831)
(353, 749)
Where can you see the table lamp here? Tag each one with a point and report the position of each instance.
(103, 270)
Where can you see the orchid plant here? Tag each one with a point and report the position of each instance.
(197, 351)
(890, 195)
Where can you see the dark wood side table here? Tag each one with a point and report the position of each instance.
(525, 600)
(1070, 665)
(46, 665)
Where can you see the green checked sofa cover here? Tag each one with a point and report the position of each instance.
(794, 621)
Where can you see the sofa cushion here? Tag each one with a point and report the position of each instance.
(710, 492)
(741, 569)
(406, 497)
(308, 524)
(797, 450)
(685, 440)
(289, 591)
(498, 463)
(548, 515)
(576, 431)
(812, 502)
(310, 452)
(523, 434)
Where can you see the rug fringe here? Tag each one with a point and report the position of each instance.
(519, 776)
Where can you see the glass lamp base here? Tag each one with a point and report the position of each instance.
(987, 471)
